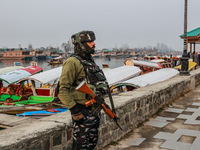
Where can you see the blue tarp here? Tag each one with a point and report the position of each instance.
(30, 113)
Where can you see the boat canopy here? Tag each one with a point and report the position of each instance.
(152, 77)
(15, 75)
(32, 69)
(121, 74)
(142, 63)
(8, 69)
(56, 58)
(46, 76)
(158, 60)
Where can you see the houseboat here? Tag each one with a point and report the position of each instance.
(15, 54)
(106, 53)
(40, 54)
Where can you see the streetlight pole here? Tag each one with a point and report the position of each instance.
(184, 58)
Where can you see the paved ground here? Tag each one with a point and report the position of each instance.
(176, 127)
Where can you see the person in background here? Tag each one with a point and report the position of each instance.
(78, 67)
(178, 62)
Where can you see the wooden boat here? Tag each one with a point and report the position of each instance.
(149, 58)
(56, 60)
(158, 60)
(163, 63)
(8, 81)
(145, 66)
(40, 80)
(42, 98)
(144, 80)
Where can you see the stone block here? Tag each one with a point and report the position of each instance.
(120, 112)
(57, 139)
(35, 146)
(134, 106)
(128, 108)
(105, 130)
(122, 120)
(102, 120)
(127, 118)
(133, 116)
(46, 143)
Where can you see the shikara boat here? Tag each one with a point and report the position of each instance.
(43, 97)
(144, 80)
(163, 63)
(44, 83)
(145, 66)
(8, 82)
(56, 60)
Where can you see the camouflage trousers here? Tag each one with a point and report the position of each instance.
(85, 134)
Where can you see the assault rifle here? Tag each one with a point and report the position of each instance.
(83, 87)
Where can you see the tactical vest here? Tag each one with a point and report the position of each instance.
(94, 76)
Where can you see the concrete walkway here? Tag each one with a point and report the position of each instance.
(176, 127)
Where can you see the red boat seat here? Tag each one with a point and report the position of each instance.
(43, 91)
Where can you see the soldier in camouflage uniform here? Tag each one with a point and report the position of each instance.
(78, 67)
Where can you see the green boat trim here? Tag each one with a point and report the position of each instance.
(36, 100)
(3, 97)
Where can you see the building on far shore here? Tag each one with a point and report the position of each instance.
(15, 54)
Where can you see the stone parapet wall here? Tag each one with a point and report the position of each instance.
(133, 108)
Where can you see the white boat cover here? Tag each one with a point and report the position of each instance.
(106, 69)
(121, 74)
(8, 69)
(146, 63)
(46, 76)
(60, 57)
(153, 77)
(13, 76)
(157, 60)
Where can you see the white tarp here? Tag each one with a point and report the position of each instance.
(146, 63)
(8, 69)
(153, 77)
(14, 76)
(157, 60)
(56, 58)
(121, 74)
(46, 76)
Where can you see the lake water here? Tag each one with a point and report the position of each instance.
(113, 63)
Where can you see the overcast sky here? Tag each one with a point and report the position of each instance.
(137, 23)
